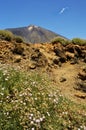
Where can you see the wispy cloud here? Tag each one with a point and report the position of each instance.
(62, 10)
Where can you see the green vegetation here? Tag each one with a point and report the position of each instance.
(79, 41)
(18, 39)
(60, 40)
(8, 36)
(63, 41)
(28, 101)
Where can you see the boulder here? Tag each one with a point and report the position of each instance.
(39, 58)
(70, 48)
(32, 66)
(63, 79)
(78, 50)
(69, 55)
(60, 54)
(56, 61)
(81, 86)
(82, 75)
(17, 58)
(80, 95)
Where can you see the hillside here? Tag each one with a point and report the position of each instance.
(34, 34)
(64, 64)
(43, 86)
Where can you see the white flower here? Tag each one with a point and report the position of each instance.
(42, 94)
(31, 114)
(32, 122)
(20, 95)
(24, 103)
(30, 94)
(37, 121)
(21, 101)
(81, 126)
(7, 113)
(49, 95)
(33, 128)
(79, 129)
(55, 100)
(84, 127)
(4, 113)
(65, 113)
(3, 88)
(30, 117)
(33, 83)
(6, 79)
(41, 119)
(2, 94)
(48, 113)
(35, 98)
(12, 101)
(7, 97)
(34, 119)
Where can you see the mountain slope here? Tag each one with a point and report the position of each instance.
(34, 34)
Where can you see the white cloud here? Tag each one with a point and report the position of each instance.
(62, 10)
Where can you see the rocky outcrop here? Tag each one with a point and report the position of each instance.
(38, 59)
(42, 55)
(82, 75)
(81, 82)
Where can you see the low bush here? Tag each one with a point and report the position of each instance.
(57, 39)
(6, 35)
(60, 40)
(18, 39)
(79, 41)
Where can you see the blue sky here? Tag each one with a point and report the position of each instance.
(65, 17)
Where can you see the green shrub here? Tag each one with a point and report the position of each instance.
(79, 41)
(60, 40)
(18, 39)
(6, 35)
